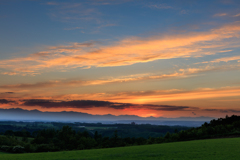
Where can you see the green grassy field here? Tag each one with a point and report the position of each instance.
(219, 149)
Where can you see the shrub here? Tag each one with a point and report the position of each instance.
(18, 149)
(6, 148)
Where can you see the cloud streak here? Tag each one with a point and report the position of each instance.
(223, 59)
(159, 96)
(147, 97)
(160, 6)
(86, 104)
(226, 59)
(222, 110)
(182, 73)
(91, 104)
(5, 101)
(120, 101)
(125, 52)
(220, 14)
(237, 15)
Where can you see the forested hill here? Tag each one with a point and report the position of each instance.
(233, 120)
(216, 128)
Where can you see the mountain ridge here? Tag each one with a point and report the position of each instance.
(19, 114)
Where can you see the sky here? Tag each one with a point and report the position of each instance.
(147, 58)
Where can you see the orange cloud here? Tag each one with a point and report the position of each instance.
(226, 59)
(182, 73)
(148, 97)
(223, 59)
(145, 97)
(144, 100)
(10, 73)
(225, 51)
(125, 52)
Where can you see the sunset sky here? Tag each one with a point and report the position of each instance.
(155, 58)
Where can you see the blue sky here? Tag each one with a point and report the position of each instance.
(174, 53)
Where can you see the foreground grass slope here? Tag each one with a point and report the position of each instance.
(219, 149)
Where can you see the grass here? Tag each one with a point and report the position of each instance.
(219, 149)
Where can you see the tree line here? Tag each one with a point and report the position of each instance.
(68, 139)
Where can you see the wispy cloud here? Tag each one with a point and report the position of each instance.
(237, 15)
(107, 25)
(10, 73)
(126, 52)
(122, 79)
(82, 14)
(181, 73)
(171, 95)
(226, 14)
(73, 28)
(107, 2)
(220, 14)
(227, 59)
(6, 95)
(226, 50)
(147, 97)
(222, 110)
(160, 6)
(52, 3)
(183, 12)
(73, 12)
(224, 59)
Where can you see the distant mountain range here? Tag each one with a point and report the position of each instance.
(18, 114)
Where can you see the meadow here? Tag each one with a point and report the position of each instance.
(219, 149)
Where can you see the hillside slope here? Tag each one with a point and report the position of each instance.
(219, 149)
